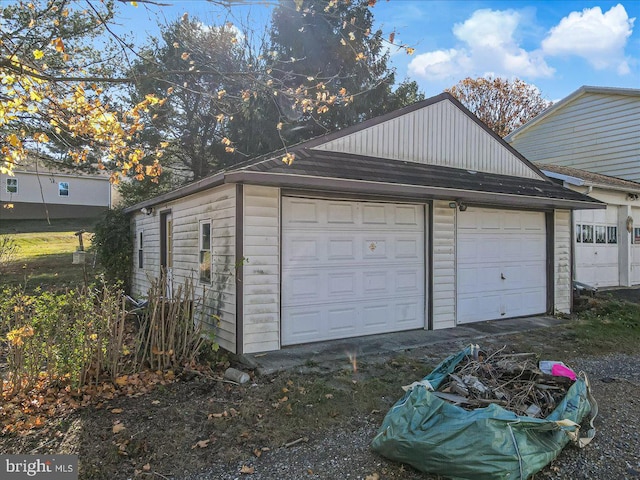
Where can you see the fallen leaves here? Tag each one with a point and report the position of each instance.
(25, 408)
(231, 412)
(201, 444)
(118, 427)
(247, 470)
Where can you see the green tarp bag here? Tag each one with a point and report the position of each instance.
(493, 443)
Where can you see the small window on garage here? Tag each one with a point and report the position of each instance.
(587, 233)
(636, 235)
(205, 252)
(612, 234)
(140, 251)
(578, 233)
(12, 185)
(601, 234)
(63, 189)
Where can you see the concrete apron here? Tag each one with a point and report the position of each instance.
(334, 354)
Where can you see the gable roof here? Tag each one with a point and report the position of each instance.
(585, 89)
(325, 171)
(429, 132)
(577, 176)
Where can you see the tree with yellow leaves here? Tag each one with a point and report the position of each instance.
(63, 71)
(54, 89)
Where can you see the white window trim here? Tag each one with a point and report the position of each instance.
(579, 229)
(60, 189)
(140, 249)
(17, 185)
(201, 223)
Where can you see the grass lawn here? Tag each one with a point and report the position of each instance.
(44, 253)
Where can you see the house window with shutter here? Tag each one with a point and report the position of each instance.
(205, 252)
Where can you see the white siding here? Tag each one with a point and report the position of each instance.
(261, 269)
(595, 132)
(32, 187)
(562, 261)
(444, 265)
(439, 134)
(218, 206)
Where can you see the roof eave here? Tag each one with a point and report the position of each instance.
(396, 190)
(190, 189)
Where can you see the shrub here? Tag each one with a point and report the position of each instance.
(8, 249)
(73, 337)
(113, 242)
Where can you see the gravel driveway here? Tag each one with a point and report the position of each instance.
(345, 454)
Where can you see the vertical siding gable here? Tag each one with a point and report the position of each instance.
(596, 132)
(438, 134)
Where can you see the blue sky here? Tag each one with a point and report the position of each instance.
(556, 45)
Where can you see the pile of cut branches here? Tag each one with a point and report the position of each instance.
(510, 380)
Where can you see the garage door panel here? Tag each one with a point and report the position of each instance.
(408, 281)
(375, 317)
(341, 249)
(407, 314)
(408, 248)
(476, 309)
(474, 279)
(374, 248)
(340, 213)
(303, 249)
(341, 284)
(376, 283)
(369, 271)
(597, 264)
(341, 320)
(302, 211)
(304, 287)
(501, 268)
(304, 325)
(374, 215)
(406, 215)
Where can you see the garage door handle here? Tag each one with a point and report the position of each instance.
(502, 276)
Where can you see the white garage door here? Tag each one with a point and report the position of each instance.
(501, 264)
(350, 268)
(596, 233)
(635, 247)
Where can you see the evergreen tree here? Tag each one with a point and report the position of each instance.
(328, 51)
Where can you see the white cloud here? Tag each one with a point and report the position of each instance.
(487, 46)
(599, 38)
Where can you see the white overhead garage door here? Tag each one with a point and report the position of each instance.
(351, 268)
(635, 247)
(596, 236)
(501, 264)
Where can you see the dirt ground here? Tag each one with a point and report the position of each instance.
(184, 429)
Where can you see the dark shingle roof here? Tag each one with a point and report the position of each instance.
(325, 164)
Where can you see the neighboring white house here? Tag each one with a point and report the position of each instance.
(607, 242)
(40, 193)
(597, 131)
(419, 219)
